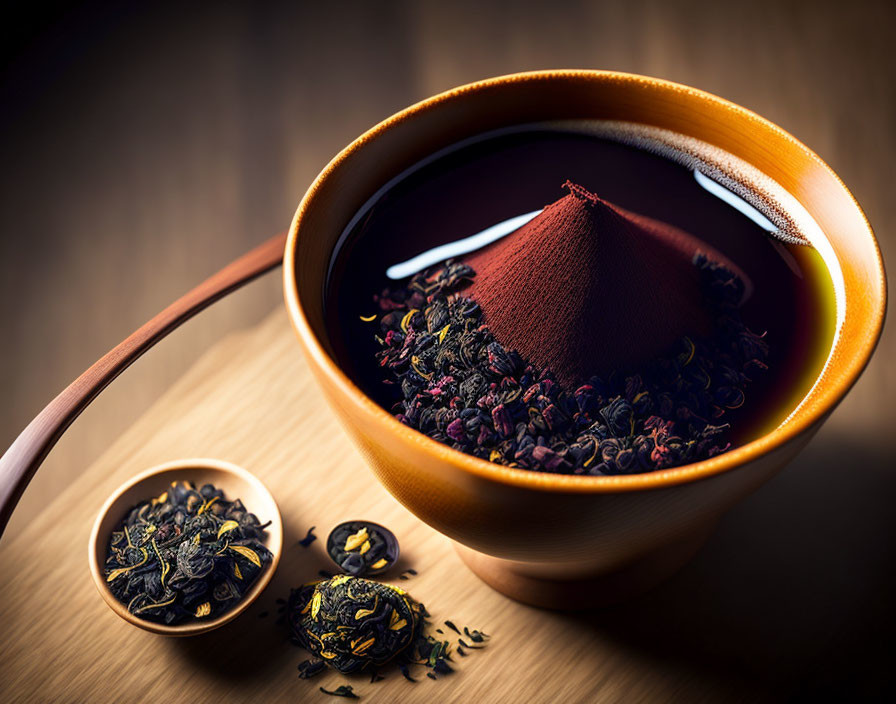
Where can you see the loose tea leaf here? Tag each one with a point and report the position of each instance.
(352, 624)
(309, 538)
(310, 668)
(187, 554)
(475, 636)
(344, 690)
(460, 386)
(362, 547)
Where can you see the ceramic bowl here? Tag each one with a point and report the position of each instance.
(572, 540)
(236, 483)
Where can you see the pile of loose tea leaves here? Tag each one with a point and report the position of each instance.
(460, 386)
(352, 624)
(362, 547)
(188, 553)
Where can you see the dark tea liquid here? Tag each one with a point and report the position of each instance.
(485, 181)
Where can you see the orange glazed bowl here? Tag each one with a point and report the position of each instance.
(566, 540)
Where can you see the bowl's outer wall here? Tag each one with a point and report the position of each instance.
(572, 533)
(536, 518)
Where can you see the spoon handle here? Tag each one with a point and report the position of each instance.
(31, 447)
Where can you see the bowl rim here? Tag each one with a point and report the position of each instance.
(274, 544)
(803, 422)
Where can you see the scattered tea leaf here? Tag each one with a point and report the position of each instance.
(310, 668)
(226, 527)
(309, 538)
(344, 690)
(453, 627)
(248, 553)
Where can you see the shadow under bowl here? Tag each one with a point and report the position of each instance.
(235, 482)
(561, 540)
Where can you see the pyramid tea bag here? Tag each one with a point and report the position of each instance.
(587, 288)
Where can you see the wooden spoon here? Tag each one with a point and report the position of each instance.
(31, 447)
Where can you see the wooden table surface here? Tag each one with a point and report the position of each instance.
(749, 620)
(252, 400)
(143, 148)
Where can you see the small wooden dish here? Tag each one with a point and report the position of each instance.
(236, 483)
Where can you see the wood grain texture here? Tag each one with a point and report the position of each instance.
(62, 643)
(778, 603)
(19, 463)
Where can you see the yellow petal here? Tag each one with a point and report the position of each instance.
(165, 566)
(115, 574)
(365, 547)
(368, 318)
(226, 527)
(443, 332)
(206, 505)
(415, 365)
(156, 605)
(203, 610)
(248, 553)
(355, 540)
(361, 613)
(236, 571)
(315, 604)
(405, 321)
(363, 646)
(379, 564)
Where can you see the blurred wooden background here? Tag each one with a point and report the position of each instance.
(143, 147)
